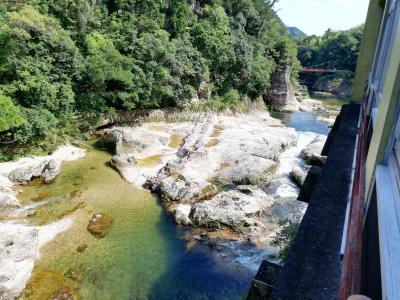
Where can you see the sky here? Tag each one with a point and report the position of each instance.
(316, 16)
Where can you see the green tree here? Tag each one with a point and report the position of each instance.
(10, 115)
(39, 123)
(41, 63)
(181, 17)
(107, 74)
(63, 61)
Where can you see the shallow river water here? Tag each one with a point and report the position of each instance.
(144, 255)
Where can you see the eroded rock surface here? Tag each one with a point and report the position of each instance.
(182, 214)
(8, 201)
(298, 175)
(51, 170)
(240, 210)
(46, 167)
(312, 152)
(281, 95)
(19, 247)
(20, 243)
(215, 151)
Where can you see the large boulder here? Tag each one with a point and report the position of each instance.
(298, 175)
(51, 170)
(47, 167)
(129, 140)
(25, 174)
(140, 151)
(339, 84)
(281, 94)
(312, 152)
(48, 170)
(180, 189)
(237, 209)
(123, 160)
(252, 170)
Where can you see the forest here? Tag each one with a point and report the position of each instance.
(336, 50)
(63, 64)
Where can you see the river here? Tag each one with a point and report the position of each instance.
(144, 255)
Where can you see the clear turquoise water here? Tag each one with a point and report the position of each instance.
(307, 121)
(142, 257)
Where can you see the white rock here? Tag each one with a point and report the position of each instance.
(309, 105)
(19, 247)
(182, 190)
(8, 201)
(5, 184)
(23, 170)
(235, 209)
(312, 152)
(181, 214)
(252, 170)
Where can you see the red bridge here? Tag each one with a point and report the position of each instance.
(315, 70)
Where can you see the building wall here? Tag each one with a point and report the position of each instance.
(368, 46)
(386, 110)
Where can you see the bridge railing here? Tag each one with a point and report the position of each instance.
(317, 70)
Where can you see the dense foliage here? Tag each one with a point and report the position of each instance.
(334, 50)
(64, 61)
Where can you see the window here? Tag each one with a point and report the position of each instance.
(384, 51)
(387, 183)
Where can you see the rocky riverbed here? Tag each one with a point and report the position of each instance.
(20, 242)
(211, 173)
(224, 177)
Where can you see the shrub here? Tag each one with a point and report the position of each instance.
(284, 238)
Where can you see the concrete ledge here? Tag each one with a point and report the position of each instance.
(313, 267)
(262, 285)
(309, 184)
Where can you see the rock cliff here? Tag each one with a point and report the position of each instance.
(281, 95)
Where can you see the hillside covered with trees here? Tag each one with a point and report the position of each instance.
(334, 50)
(64, 63)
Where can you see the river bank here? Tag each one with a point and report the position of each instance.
(157, 253)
